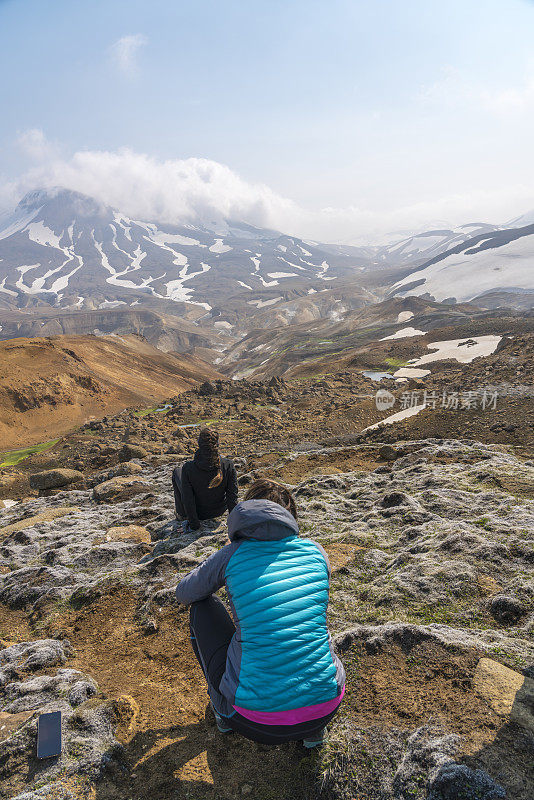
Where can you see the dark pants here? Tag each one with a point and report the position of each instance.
(177, 488)
(211, 632)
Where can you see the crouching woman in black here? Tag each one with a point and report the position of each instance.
(205, 487)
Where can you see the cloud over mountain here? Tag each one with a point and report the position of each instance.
(198, 190)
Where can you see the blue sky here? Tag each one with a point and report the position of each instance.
(360, 116)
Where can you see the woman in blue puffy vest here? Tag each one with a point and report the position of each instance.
(272, 672)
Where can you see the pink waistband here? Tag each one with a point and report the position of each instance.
(294, 715)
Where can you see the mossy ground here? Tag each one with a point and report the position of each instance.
(14, 457)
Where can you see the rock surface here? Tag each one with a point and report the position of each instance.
(421, 550)
(509, 693)
(128, 533)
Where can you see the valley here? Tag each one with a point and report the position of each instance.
(400, 412)
(428, 526)
(50, 385)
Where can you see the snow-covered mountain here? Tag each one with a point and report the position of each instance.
(428, 244)
(65, 250)
(499, 260)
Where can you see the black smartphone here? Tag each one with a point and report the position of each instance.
(49, 735)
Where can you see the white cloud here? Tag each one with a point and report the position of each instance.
(124, 52)
(197, 190)
(35, 145)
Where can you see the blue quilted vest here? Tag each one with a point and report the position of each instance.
(278, 586)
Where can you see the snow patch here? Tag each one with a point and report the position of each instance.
(112, 304)
(461, 350)
(404, 333)
(219, 247)
(13, 223)
(410, 372)
(39, 233)
(267, 283)
(263, 303)
(398, 417)
(6, 291)
(468, 275)
(176, 290)
(159, 237)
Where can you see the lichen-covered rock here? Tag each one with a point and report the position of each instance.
(35, 655)
(129, 451)
(88, 725)
(54, 478)
(48, 515)
(119, 489)
(38, 692)
(456, 782)
(506, 609)
(126, 468)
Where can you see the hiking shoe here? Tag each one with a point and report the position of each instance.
(314, 741)
(222, 726)
(186, 527)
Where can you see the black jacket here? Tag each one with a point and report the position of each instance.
(200, 502)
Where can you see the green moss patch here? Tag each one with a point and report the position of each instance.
(14, 457)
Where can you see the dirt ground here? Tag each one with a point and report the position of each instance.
(172, 749)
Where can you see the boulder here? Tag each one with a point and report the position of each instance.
(127, 468)
(129, 451)
(388, 453)
(54, 478)
(506, 609)
(455, 781)
(128, 533)
(509, 693)
(120, 488)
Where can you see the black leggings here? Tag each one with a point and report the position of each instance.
(211, 632)
(177, 488)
